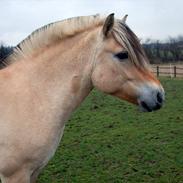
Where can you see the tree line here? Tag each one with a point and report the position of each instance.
(5, 51)
(162, 52)
(170, 50)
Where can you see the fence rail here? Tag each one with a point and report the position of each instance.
(172, 71)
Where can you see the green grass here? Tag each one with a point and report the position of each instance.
(110, 141)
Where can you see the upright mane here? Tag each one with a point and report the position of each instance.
(51, 33)
(55, 32)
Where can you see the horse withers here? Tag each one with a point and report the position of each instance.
(51, 72)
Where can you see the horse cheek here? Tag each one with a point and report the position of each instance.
(105, 81)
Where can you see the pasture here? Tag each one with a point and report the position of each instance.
(110, 141)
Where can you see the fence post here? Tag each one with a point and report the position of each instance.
(157, 71)
(175, 73)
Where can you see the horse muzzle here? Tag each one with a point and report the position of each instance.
(151, 98)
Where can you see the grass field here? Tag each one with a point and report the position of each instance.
(110, 141)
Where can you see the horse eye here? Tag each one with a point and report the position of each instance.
(121, 55)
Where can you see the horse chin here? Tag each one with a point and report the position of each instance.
(125, 97)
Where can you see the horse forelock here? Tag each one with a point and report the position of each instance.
(125, 36)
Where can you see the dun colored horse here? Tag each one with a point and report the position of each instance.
(51, 72)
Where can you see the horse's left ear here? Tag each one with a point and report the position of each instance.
(124, 19)
(109, 22)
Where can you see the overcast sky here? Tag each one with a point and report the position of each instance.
(156, 19)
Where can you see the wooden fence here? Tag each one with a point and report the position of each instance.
(168, 70)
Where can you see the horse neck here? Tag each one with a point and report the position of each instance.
(61, 75)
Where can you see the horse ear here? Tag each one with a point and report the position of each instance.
(109, 22)
(124, 19)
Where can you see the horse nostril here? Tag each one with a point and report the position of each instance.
(159, 97)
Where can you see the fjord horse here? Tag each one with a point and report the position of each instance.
(51, 72)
